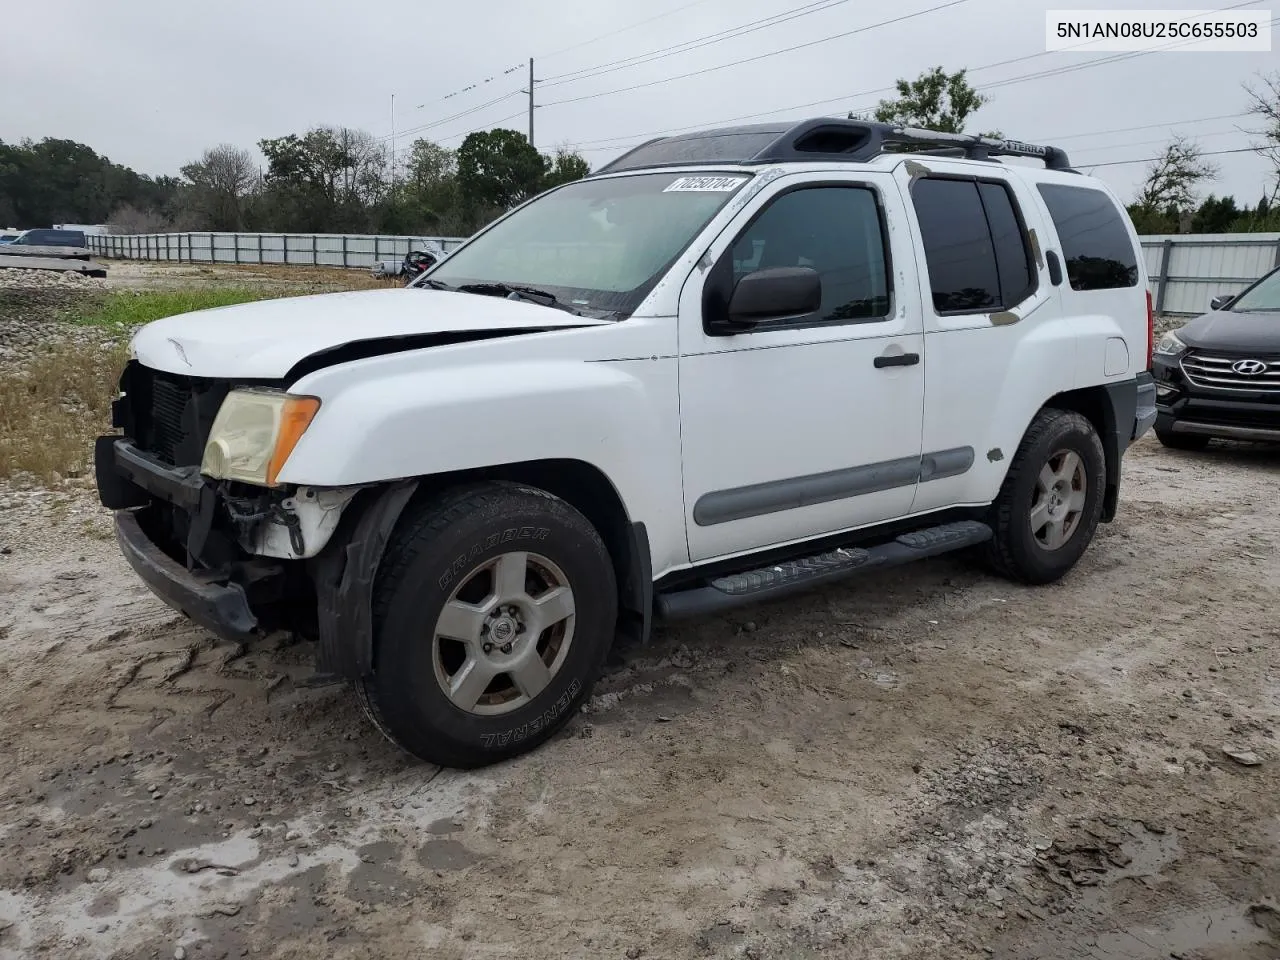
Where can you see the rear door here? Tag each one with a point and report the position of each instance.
(995, 341)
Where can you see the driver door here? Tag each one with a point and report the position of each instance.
(809, 425)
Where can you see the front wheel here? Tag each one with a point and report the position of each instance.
(493, 613)
(1051, 499)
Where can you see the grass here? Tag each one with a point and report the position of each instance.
(51, 410)
(126, 309)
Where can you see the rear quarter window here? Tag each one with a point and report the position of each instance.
(1095, 242)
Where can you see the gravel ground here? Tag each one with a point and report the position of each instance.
(923, 763)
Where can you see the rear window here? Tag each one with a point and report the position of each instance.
(975, 248)
(1095, 243)
(55, 238)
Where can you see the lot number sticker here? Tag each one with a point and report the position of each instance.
(704, 185)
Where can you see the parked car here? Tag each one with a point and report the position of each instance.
(1218, 376)
(51, 238)
(729, 366)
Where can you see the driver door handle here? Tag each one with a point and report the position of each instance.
(897, 360)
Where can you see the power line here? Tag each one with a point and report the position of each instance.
(889, 89)
(1207, 153)
(818, 6)
(762, 56)
(614, 33)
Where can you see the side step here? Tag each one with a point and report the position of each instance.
(795, 576)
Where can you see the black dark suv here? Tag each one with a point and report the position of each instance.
(1219, 375)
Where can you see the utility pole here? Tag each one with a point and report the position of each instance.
(393, 143)
(531, 101)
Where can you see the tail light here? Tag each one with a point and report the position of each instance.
(1151, 332)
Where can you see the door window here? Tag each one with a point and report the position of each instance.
(976, 250)
(1095, 243)
(837, 231)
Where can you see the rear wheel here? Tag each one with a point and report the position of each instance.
(1182, 441)
(492, 618)
(1051, 500)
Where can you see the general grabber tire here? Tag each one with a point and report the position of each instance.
(494, 608)
(1051, 499)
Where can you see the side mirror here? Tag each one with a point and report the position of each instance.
(1220, 301)
(775, 294)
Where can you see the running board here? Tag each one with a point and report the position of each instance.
(795, 576)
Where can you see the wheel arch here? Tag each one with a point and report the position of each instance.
(1110, 409)
(344, 589)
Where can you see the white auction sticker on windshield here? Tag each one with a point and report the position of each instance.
(704, 185)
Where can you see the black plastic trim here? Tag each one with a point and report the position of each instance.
(177, 485)
(637, 586)
(785, 579)
(773, 496)
(896, 360)
(344, 575)
(209, 599)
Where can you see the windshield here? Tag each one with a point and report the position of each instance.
(598, 245)
(1265, 296)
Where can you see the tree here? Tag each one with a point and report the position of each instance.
(328, 179)
(1216, 215)
(1264, 102)
(935, 100)
(566, 167)
(1172, 181)
(220, 182)
(499, 169)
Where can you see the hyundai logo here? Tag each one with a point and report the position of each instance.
(1249, 368)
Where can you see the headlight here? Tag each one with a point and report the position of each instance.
(254, 433)
(1170, 345)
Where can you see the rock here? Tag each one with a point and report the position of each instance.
(293, 835)
(179, 954)
(144, 825)
(248, 801)
(1246, 758)
(587, 731)
(99, 875)
(6, 550)
(633, 953)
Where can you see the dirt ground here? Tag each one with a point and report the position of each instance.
(924, 763)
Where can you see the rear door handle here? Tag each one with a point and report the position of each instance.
(897, 360)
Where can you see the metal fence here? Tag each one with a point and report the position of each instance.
(1187, 270)
(305, 249)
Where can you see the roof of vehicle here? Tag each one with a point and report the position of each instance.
(825, 139)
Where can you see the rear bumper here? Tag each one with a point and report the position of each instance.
(1145, 412)
(209, 599)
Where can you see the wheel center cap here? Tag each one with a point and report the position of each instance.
(504, 630)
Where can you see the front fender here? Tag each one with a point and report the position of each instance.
(395, 421)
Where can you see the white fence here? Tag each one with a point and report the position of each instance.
(1186, 270)
(305, 249)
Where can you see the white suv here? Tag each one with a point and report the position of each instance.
(729, 366)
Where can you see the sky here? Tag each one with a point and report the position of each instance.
(151, 83)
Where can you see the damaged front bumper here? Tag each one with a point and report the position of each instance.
(210, 598)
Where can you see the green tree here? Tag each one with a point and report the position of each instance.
(566, 167)
(1216, 215)
(936, 100)
(499, 169)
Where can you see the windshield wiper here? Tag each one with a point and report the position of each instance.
(435, 285)
(516, 291)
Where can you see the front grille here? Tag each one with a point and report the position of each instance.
(167, 415)
(168, 407)
(1217, 372)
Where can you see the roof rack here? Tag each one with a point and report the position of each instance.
(822, 139)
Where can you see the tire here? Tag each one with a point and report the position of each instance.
(1071, 504)
(1182, 441)
(560, 608)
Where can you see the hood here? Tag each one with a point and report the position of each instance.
(1256, 332)
(266, 339)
